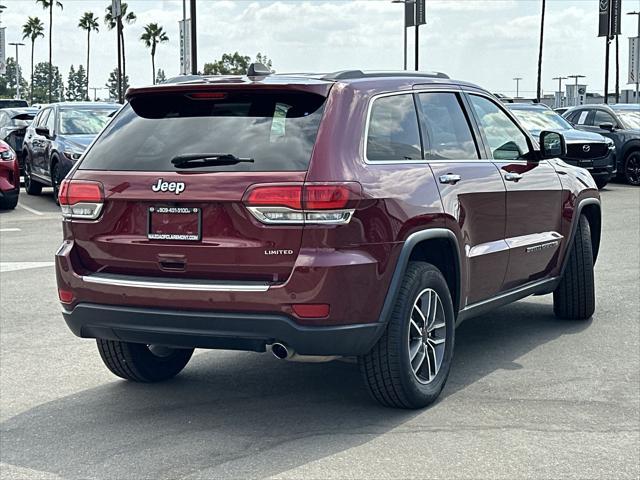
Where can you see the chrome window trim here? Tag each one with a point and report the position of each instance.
(194, 286)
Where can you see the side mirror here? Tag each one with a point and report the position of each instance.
(43, 131)
(610, 127)
(552, 145)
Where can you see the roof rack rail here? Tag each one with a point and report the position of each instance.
(355, 74)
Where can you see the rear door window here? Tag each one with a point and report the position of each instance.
(277, 131)
(448, 132)
(393, 133)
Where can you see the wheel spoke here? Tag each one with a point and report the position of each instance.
(437, 326)
(416, 327)
(415, 349)
(420, 358)
(416, 309)
(436, 341)
(431, 350)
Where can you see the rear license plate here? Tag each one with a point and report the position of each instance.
(175, 223)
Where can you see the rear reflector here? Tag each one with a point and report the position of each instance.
(207, 96)
(311, 310)
(81, 199)
(65, 296)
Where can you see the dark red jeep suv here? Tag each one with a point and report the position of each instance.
(318, 216)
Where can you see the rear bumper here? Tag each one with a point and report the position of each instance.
(232, 331)
(9, 194)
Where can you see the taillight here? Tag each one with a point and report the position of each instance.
(330, 204)
(81, 199)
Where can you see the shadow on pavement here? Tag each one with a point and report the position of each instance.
(246, 415)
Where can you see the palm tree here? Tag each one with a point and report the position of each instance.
(88, 22)
(49, 4)
(539, 92)
(33, 29)
(152, 36)
(112, 22)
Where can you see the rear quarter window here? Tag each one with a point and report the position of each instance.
(276, 130)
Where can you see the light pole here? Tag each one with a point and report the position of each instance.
(17, 44)
(406, 4)
(637, 56)
(517, 79)
(577, 77)
(560, 79)
(194, 37)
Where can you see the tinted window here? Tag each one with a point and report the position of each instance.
(601, 117)
(42, 120)
(51, 122)
(448, 132)
(276, 130)
(84, 121)
(506, 140)
(580, 117)
(393, 129)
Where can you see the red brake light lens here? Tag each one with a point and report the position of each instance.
(207, 96)
(276, 196)
(80, 191)
(326, 197)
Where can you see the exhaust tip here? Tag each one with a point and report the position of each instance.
(280, 351)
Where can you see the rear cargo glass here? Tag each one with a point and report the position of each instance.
(276, 130)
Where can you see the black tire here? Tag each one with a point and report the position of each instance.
(8, 203)
(387, 369)
(31, 186)
(631, 171)
(575, 297)
(56, 181)
(137, 362)
(601, 183)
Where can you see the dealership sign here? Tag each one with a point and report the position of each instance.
(415, 13)
(3, 54)
(634, 60)
(610, 18)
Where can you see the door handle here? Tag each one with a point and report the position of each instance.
(450, 179)
(512, 177)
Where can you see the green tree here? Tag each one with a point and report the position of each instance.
(49, 4)
(161, 77)
(112, 22)
(76, 84)
(8, 81)
(88, 22)
(41, 89)
(152, 36)
(229, 64)
(33, 29)
(112, 83)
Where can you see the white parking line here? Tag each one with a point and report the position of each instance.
(10, 230)
(13, 266)
(31, 210)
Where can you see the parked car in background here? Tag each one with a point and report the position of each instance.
(561, 110)
(350, 214)
(584, 149)
(13, 103)
(56, 139)
(621, 123)
(13, 126)
(9, 177)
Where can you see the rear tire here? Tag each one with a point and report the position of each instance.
(8, 203)
(409, 365)
(56, 181)
(138, 363)
(31, 186)
(575, 297)
(632, 168)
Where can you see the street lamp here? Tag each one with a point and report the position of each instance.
(517, 79)
(405, 3)
(637, 72)
(560, 79)
(577, 77)
(17, 44)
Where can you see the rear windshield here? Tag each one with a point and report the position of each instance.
(13, 103)
(277, 131)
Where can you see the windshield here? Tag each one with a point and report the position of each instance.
(83, 121)
(22, 120)
(629, 118)
(276, 130)
(538, 120)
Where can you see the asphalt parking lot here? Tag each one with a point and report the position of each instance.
(529, 396)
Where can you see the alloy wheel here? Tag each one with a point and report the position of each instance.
(27, 174)
(632, 168)
(427, 335)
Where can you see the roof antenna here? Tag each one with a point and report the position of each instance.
(258, 70)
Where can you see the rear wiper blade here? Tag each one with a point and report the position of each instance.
(191, 160)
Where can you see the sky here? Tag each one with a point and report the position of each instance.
(486, 42)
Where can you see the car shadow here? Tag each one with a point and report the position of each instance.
(245, 415)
